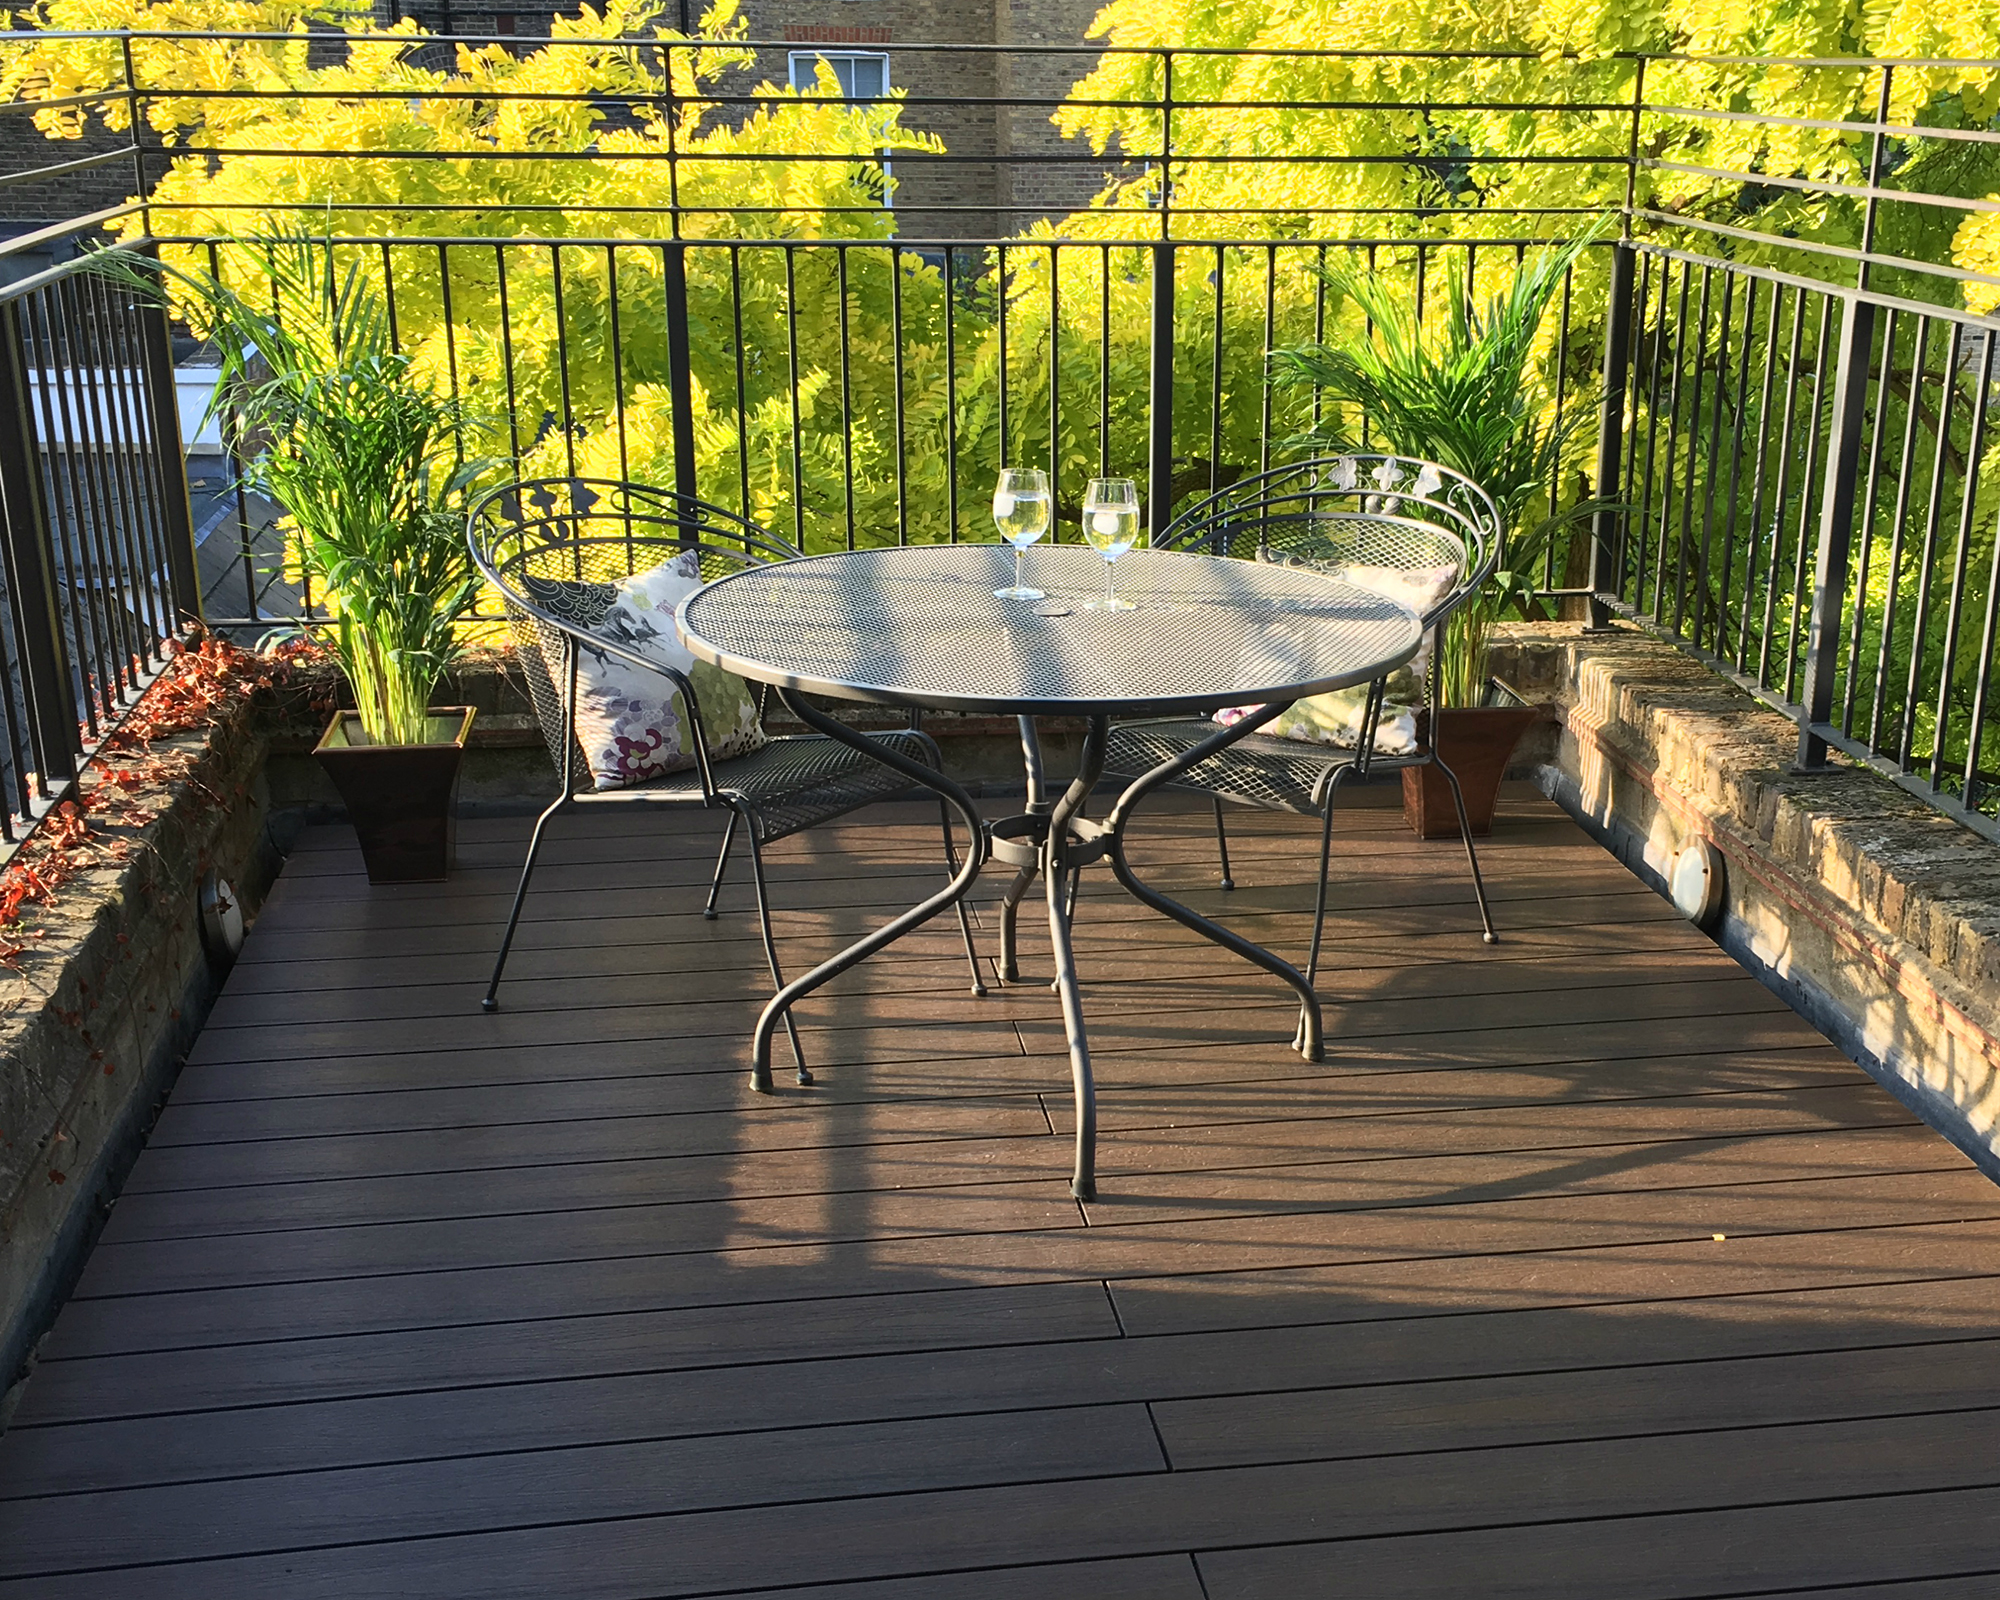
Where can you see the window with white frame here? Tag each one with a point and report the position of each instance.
(863, 74)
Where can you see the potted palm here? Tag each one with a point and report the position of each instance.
(1459, 392)
(370, 468)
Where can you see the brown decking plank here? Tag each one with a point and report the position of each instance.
(605, 1233)
(1205, 1016)
(595, 1389)
(1712, 1048)
(542, 1486)
(1441, 1132)
(1287, 927)
(1680, 1014)
(1161, 980)
(1817, 1548)
(1154, 1513)
(1488, 1412)
(734, 943)
(990, 1185)
(963, 1446)
(945, 1196)
(534, 1348)
(1359, 1244)
(711, 1032)
(1137, 1578)
(488, 901)
(503, 1130)
(717, 976)
(515, 1136)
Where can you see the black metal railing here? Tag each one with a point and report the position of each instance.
(1806, 481)
(98, 558)
(1791, 430)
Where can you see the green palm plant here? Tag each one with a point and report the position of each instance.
(1462, 393)
(368, 464)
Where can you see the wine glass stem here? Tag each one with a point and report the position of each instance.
(1110, 588)
(1019, 582)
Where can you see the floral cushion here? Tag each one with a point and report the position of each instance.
(1336, 718)
(632, 723)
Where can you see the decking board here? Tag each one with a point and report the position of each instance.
(404, 1299)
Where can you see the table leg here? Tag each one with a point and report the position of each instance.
(1016, 892)
(1056, 876)
(1309, 1039)
(952, 894)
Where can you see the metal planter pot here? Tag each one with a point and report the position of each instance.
(1477, 744)
(400, 797)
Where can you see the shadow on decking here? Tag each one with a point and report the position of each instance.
(403, 1299)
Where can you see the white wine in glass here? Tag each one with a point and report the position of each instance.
(1111, 526)
(1021, 513)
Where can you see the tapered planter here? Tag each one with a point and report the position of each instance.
(400, 797)
(1476, 743)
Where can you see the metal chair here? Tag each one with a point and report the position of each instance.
(558, 549)
(1362, 515)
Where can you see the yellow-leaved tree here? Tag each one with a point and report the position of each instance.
(543, 183)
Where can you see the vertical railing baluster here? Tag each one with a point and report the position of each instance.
(1727, 565)
(1160, 419)
(29, 552)
(846, 393)
(896, 373)
(1714, 459)
(1893, 590)
(950, 395)
(1611, 431)
(1801, 600)
(1967, 516)
(1836, 528)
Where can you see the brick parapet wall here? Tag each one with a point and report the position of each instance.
(100, 1008)
(1876, 916)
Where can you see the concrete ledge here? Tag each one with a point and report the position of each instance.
(1875, 917)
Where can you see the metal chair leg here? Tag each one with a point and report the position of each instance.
(771, 945)
(1222, 843)
(492, 999)
(1471, 856)
(964, 921)
(721, 865)
(1325, 859)
(1319, 895)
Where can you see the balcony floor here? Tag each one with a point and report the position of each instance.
(1582, 1268)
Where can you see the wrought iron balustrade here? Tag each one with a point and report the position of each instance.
(1792, 431)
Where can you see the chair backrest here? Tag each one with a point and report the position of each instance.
(1386, 522)
(559, 549)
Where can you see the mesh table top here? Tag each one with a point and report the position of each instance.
(921, 626)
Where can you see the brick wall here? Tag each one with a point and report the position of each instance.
(97, 1013)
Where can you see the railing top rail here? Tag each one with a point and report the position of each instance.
(514, 40)
(1794, 280)
(909, 244)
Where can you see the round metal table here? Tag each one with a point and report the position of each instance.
(921, 627)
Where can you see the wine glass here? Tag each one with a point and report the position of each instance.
(1021, 512)
(1111, 525)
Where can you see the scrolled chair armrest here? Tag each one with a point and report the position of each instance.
(578, 636)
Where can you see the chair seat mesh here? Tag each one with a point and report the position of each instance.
(1258, 770)
(799, 781)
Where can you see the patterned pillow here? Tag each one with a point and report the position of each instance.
(1336, 718)
(630, 722)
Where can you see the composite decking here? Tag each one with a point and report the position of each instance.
(1581, 1270)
